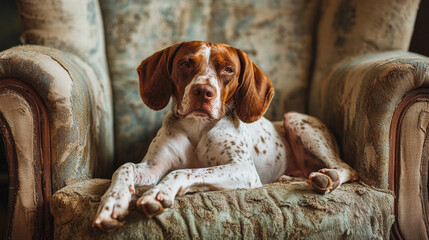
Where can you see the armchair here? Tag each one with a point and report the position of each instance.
(71, 113)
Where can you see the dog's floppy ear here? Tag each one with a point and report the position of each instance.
(255, 91)
(155, 82)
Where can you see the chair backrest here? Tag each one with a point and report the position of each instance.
(276, 34)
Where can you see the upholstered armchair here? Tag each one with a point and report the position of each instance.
(71, 114)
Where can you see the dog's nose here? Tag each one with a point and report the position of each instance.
(203, 91)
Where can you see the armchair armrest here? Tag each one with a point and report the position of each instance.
(78, 106)
(378, 107)
(358, 100)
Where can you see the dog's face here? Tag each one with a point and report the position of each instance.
(205, 80)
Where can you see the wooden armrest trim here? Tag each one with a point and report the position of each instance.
(42, 167)
(395, 171)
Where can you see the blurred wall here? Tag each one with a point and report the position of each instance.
(420, 39)
(10, 26)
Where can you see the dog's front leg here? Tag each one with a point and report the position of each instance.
(240, 172)
(168, 151)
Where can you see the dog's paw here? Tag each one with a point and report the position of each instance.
(113, 209)
(155, 201)
(325, 180)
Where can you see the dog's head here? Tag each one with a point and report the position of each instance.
(205, 80)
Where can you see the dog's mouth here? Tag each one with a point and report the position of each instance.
(199, 113)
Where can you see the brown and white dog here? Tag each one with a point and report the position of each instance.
(215, 137)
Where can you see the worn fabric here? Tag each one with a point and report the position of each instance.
(355, 96)
(412, 210)
(356, 99)
(78, 109)
(71, 26)
(360, 97)
(275, 211)
(19, 115)
(349, 28)
(75, 27)
(277, 35)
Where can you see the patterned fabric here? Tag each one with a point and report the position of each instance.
(276, 34)
(77, 106)
(275, 211)
(73, 27)
(349, 28)
(295, 42)
(356, 98)
(366, 92)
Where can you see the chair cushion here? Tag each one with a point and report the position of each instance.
(274, 211)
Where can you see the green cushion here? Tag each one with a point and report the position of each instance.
(275, 211)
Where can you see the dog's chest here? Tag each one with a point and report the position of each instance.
(230, 139)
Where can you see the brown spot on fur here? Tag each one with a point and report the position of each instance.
(262, 139)
(256, 149)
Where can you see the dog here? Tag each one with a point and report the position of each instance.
(214, 137)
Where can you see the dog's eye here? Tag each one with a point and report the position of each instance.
(186, 64)
(228, 70)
